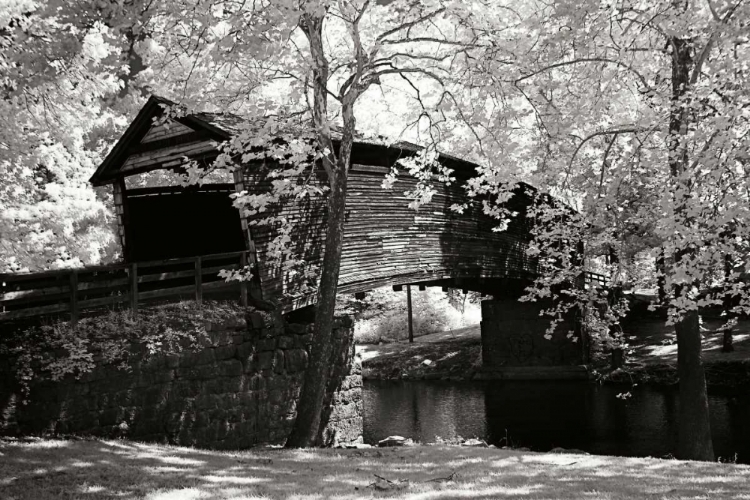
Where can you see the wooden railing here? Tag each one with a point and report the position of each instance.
(70, 291)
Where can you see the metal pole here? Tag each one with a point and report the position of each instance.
(408, 307)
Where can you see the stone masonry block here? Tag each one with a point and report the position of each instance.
(304, 340)
(296, 328)
(267, 344)
(285, 342)
(295, 360)
(255, 320)
(225, 352)
(229, 368)
(265, 360)
(278, 361)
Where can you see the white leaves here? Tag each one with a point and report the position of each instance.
(95, 48)
(427, 169)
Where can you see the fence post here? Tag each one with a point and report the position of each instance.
(73, 297)
(134, 288)
(243, 284)
(408, 308)
(198, 281)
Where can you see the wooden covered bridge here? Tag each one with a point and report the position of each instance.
(386, 242)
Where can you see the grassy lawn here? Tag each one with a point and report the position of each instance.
(653, 342)
(455, 353)
(91, 469)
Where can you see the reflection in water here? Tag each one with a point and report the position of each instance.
(544, 415)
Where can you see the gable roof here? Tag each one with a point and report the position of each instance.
(222, 126)
(137, 129)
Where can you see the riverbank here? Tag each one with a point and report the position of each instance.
(651, 357)
(46, 469)
(452, 355)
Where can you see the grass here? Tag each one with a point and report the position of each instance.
(454, 354)
(92, 469)
(651, 341)
(652, 356)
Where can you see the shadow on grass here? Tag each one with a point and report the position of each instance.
(652, 341)
(46, 469)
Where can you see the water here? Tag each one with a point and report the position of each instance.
(544, 415)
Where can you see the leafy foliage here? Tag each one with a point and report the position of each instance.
(59, 349)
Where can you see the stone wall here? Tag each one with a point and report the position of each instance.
(514, 343)
(238, 388)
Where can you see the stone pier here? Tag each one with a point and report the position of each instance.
(514, 344)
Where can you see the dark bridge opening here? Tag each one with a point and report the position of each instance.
(174, 222)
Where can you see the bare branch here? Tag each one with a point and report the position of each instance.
(586, 60)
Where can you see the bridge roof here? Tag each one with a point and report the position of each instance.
(223, 126)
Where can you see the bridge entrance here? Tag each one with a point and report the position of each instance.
(174, 222)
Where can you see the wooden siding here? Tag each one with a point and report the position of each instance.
(118, 188)
(167, 157)
(386, 242)
(165, 131)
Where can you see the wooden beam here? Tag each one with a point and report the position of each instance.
(243, 284)
(398, 288)
(422, 288)
(158, 190)
(256, 289)
(409, 311)
(134, 288)
(73, 297)
(360, 295)
(198, 281)
(169, 142)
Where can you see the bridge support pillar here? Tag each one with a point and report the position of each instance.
(515, 344)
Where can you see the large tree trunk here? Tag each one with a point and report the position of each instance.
(306, 431)
(694, 428)
(310, 406)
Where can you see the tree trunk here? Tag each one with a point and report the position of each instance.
(310, 407)
(727, 342)
(661, 282)
(306, 430)
(694, 428)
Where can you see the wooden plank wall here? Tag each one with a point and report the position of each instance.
(308, 234)
(386, 242)
(120, 206)
(165, 131)
(167, 157)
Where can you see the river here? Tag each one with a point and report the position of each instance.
(544, 415)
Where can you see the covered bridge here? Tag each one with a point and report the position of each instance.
(385, 243)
